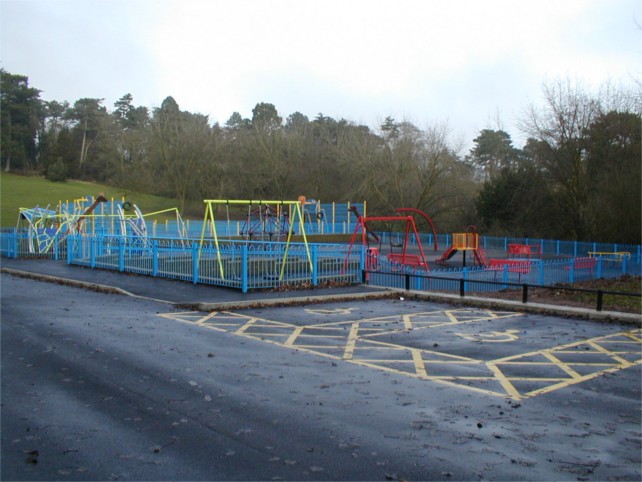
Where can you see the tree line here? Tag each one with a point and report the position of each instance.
(578, 175)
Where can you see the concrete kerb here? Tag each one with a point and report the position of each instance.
(76, 283)
(452, 299)
(535, 308)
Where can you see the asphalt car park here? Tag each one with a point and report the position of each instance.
(100, 386)
(502, 353)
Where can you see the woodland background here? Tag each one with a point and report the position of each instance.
(577, 177)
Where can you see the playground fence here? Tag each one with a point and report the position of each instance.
(249, 265)
(242, 265)
(460, 284)
(329, 219)
(533, 272)
(548, 247)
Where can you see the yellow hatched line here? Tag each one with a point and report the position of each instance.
(441, 355)
(352, 340)
(260, 336)
(206, 318)
(611, 354)
(575, 377)
(550, 364)
(197, 320)
(560, 348)
(407, 324)
(563, 366)
(311, 348)
(246, 326)
(568, 383)
(633, 337)
(350, 350)
(441, 380)
(420, 368)
(503, 380)
(411, 360)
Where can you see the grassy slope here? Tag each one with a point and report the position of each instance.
(28, 192)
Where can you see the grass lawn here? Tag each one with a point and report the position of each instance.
(30, 191)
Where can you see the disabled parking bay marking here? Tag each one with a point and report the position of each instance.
(405, 344)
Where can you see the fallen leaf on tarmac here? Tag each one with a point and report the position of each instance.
(32, 457)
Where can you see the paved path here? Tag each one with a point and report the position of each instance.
(100, 386)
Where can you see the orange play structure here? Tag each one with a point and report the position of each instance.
(468, 241)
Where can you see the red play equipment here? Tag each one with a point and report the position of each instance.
(404, 257)
(468, 241)
(425, 216)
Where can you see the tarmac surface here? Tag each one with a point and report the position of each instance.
(109, 376)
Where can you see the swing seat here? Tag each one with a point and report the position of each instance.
(408, 259)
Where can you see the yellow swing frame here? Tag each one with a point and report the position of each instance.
(293, 205)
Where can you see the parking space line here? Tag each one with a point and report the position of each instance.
(352, 340)
(517, 376)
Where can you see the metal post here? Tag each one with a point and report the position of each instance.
(195, 259)
(524, 293)
(407, 280)
(155, 257)
(121, 254)
(92, 252)
(315, 265)
(244, 269)
(599, 300)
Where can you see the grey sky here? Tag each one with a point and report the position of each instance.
(464, 62)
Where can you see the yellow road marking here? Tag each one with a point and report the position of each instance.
(420, 368)
(609, 353)
(503, 380)
(556, 361)
(352, 340)
(354, 346)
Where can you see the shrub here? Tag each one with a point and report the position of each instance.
(57, 172)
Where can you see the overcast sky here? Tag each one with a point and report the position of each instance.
(467, 63)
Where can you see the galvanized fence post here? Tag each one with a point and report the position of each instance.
(244, 269)
(315, 265)
(92, 252)
(571, 271)
(55, 246)
(155, 257)
(194, 262)
(121, 254)
(71, 243)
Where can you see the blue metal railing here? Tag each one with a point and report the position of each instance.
(250, 265)
(242, 265)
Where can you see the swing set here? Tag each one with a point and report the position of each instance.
(268, 218)
(404, 257)
(266, 222)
